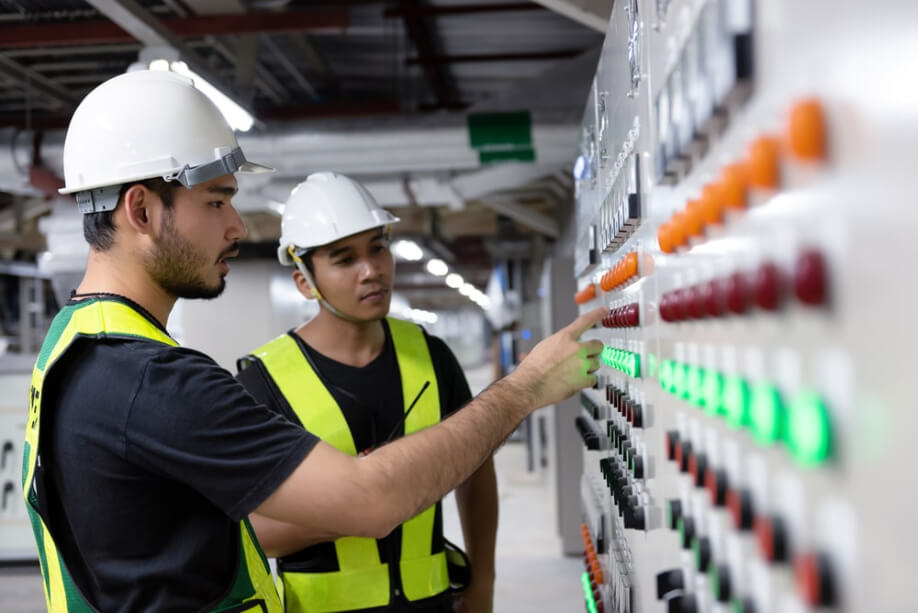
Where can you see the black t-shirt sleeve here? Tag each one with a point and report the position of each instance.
(454, 388)
(191, 421)
(256, 380)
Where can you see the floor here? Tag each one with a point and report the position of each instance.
(532, 575)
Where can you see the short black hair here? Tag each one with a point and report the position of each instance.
(99, 228)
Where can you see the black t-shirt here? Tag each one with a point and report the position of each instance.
(155, 454)
(371, 400)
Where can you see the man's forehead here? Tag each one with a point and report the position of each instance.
(355, 239)
(225, 184)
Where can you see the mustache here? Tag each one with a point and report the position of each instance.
(229, 252)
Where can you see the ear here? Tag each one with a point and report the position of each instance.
(303, 285)
(138, 214)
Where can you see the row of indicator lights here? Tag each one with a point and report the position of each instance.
(628, 316)
(738, 293)
(625, 405)
(592, 578)
(627, 362)
(621, 273)
(803, 425)
(586, 294)
(811, 570)
(805, 141)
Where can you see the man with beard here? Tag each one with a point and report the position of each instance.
(143, 459)
(357, 379)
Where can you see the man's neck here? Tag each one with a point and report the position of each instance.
(108, 274)
(352, 343)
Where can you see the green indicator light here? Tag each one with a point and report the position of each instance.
(766, 414)
(714, 579)
(678, 379)
(680, 526)
(635, 365)
(695, 391)
(651, 365)
(712, 388)
(588, 592)
(809, 433)
(736, 605)
(666, 374)
(736, 401)
(696, 551)
(688, 376)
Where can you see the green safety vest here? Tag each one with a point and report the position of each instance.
(252, 588)
(362, 581)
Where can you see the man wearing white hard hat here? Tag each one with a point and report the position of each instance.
(143, 459)
(358, 379)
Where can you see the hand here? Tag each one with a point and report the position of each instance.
(560, 365)
(474, 599)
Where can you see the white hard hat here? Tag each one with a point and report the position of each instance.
(324, 208)
(146, 124)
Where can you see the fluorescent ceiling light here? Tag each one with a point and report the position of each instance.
(466, 288)
(408, 250)
(237, 117)
(437, 267)
(454, 280)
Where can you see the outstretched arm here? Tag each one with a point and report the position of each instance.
(332, 494)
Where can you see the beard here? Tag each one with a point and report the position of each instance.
(175, 265)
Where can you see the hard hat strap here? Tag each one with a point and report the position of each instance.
(98, 200)
(301, 266)
(228, 164)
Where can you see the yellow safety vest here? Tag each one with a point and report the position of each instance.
(252, 588)
(362, 581)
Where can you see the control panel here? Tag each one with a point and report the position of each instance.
(743, 214)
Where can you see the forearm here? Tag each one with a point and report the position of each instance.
(411, 472)
(477, 502)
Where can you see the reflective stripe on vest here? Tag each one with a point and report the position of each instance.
(252, 588)
(362, 581)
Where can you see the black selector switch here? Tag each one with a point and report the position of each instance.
(668, 582)
(687, 530)
(674, 513)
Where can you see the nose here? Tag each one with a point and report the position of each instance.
(236, 230)
(369, 269)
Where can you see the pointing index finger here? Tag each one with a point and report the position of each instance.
(585, 322)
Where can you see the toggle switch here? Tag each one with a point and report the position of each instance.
(673, 513)
(739, 503)
(719, 579)
(715, 481)
(701, 548)
(686, 531)
(771, 535)
(814, 579)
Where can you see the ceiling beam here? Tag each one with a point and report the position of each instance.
(132, 26)
(430, 10)
(424, 39)
(591, 13)
(146, 28)
(508, 207)
(60, 97)
(288, 65)
(494, 57)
